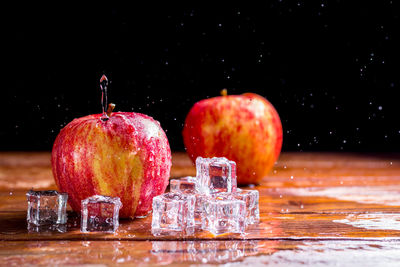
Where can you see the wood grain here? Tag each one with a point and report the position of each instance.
(319, 204)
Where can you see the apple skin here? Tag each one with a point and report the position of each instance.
(127, 156)
(244, 128)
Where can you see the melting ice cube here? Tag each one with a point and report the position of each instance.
(223, 213)
(100, 214)
(46, 207)
(173, 213)
(250, 197)
(187, 185)
(216, 175)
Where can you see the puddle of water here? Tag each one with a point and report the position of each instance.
(373, 221)
(331, 253)
(386, 195)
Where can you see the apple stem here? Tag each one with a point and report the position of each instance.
(110, 109)
(224, 92)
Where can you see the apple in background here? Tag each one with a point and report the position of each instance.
(244, 128)
(126, 155)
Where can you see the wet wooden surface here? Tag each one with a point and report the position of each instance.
(318, 209)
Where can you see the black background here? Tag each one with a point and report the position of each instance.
(331, 68)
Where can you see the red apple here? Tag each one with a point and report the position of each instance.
(127, 156)
(243, 128)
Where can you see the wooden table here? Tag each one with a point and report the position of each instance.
(316, 209)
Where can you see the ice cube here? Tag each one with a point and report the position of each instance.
(187, 185)
(223, 213)
(46, 207)
(100, 214)
(173, 213)
(250, 197)
(198, 209)
(216, 175)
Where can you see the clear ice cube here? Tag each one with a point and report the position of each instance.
(173, 213)
(216, 175)
(186, 185)
(46, 207)
(198, 209)
(250, 197)
(223, 213)
(100, 214)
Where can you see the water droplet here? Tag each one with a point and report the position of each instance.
(291, 177)
(103, 88)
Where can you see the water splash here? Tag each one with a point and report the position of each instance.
(103, 87)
